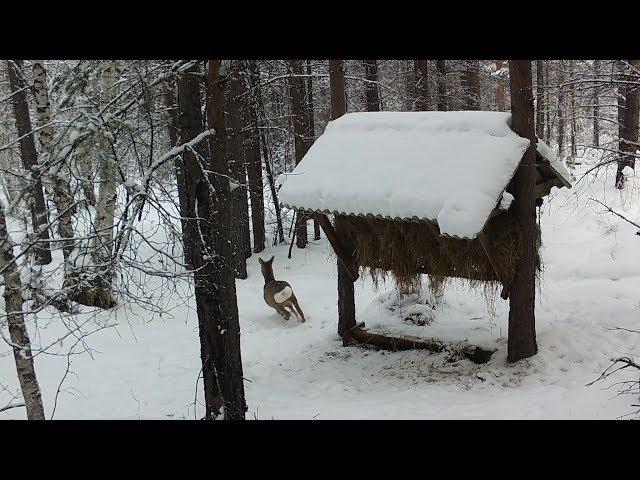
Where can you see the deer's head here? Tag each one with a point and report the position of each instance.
(267, 269)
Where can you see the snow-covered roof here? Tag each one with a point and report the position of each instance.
(450, 167)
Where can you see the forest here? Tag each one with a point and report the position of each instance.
(319, 239)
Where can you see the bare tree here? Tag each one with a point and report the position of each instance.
(441, 68)
(346, 299)
(312, 131)
(57, 176)
(253, 158)
(595, 101)
(301, 127)
(540, 99)
(234, 126)
(470, 82)
(560, 109)
(522, 330)
(422, 85)
(19, 337)
(372, 95)
(629, 131)
(37, 206)
(222, 325)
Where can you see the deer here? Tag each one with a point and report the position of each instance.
(277, 293)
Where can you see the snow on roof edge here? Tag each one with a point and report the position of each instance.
(556, 164)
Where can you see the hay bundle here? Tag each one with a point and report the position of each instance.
(407, 249)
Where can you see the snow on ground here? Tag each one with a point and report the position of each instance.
(146, 367)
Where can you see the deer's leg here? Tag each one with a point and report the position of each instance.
(280, 309)
(289, 305)
(294, 300)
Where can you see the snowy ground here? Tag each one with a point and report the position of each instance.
(147, 367)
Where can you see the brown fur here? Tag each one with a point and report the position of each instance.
(273, 286)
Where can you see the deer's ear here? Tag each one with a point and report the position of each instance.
(271, 259)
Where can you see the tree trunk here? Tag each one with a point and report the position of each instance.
(540, 97)
(301, 129)
(522, 330)
(10, 183)
(253, 159)
(470, 82)
(223, 324)
(422, 85)
(547, 102)
(37, 205)
(17, 329)
(188, 172)
(441, 68)
(346, 295)
(629, 133)
(560, 107)
(267, 166)
(410, 86)
(234, 124)
(106, 206)
(572, 107)
(312, 132)
(595, 100)
(371, 93)
(57, 178)
(501, 101)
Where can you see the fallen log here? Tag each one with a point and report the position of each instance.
(358, 336)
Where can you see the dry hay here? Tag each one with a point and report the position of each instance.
(407, 249)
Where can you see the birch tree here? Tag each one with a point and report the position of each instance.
(19, 337)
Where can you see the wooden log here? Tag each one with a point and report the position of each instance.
(358, 336)
(347, 260)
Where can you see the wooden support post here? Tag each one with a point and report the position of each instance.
(345, 258)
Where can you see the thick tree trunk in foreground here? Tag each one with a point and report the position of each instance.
(470, 81)
(37, 205)
(422, 86)
(253, 159)
(522, 328)
(540, 96)
(301, 128)
(441, 68)
(223, 325)
(188, 172)
(233, 122)
(17, 329)
(372, 96)
(346, 295)
(629, 130)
